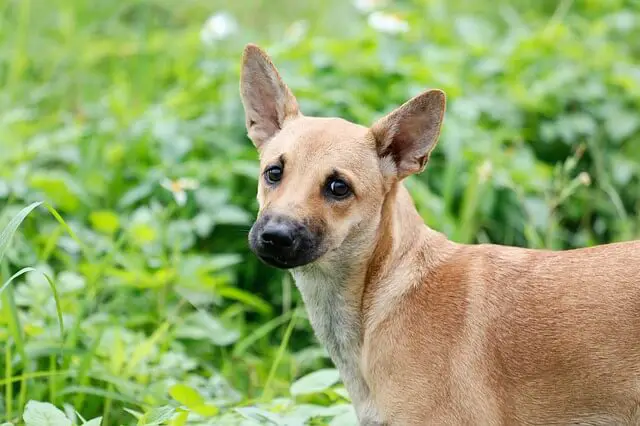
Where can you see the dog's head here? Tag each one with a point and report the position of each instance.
(324, 180)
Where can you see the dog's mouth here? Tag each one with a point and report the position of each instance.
(281, 262)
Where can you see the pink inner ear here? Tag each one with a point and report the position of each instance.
(410, 132)
(266, 99)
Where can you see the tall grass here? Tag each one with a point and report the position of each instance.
(121, 303)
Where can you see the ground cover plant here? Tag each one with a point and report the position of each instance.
(128, 295)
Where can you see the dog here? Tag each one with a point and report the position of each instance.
(424, 330)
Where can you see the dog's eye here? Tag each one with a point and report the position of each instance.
(339, 188)
(273, 174)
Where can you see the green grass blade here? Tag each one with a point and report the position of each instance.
(9, 231)
(58, 304)
(266, 393)
(35, 375)
(13, 323)
(144, 349)
(67, 228)
(85, 365)
(13, 320)
(14, 276)
(90, 390)
(241, 347)
(8, 373)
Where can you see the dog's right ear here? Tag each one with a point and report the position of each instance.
(409, 133)
(267, 101)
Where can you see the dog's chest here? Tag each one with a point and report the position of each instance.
(334, 321)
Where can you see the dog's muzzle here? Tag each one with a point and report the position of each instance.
(282, 242)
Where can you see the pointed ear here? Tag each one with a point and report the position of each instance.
(409, 133)
(267, 101)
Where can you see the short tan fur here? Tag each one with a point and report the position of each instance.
(425, 331)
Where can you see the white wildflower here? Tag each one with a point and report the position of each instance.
(484, 171)
(179, 188)
(387, 23)
(584, 178)
(219, 26)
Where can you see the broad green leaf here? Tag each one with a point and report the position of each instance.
(60, 188)
(206, 410)
(135, 194)
(245, 298)
(138, 415)
(317, 381)
(94, 422)
(180, 419)
(232, 215)
(185, 395)
(104, 221)
(263, 416)
(44, 414)
(201, 325)
(142, 233)
(347, 418)
(342, 392)
(157, 416)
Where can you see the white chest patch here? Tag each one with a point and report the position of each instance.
(337, 325)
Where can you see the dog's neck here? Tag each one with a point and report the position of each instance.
(333, 292)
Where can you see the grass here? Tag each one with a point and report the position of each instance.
(129, 295)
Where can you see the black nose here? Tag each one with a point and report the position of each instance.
(278, 235)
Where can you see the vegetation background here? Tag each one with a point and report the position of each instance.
(144, 305)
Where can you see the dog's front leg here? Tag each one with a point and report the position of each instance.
(368, 415)
(361, 399)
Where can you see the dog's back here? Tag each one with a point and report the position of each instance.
(513, 336)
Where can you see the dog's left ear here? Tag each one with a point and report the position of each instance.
(409, 133)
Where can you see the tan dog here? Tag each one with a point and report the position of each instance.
(425, 331)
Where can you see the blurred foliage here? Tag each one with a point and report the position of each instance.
(125, 119)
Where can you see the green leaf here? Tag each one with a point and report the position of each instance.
(345, 419)
(263, 416)
(202, 326)
(104, 221)
(60, 188)
(317, 381)
(94, 422)
(180, 419)
(8, 232)
(245, 298)
(157, 416)
(90, 390)
(135, 194)
(232, 215)
(206, 410)
(142, 233)
(185, 395)
(44, 414)
(144, 349)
